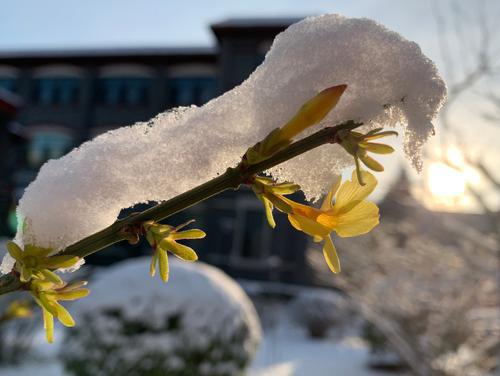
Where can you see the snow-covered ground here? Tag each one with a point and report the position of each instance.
(285, 351)
(279, 355)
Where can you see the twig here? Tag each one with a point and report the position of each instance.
(231, 179)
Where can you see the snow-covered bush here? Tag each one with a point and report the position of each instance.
(429, 291)
(200, 323)
(318, 311)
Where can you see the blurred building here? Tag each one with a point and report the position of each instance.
(72, 96)
(11, 155)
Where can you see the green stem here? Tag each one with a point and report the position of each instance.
(231, 179)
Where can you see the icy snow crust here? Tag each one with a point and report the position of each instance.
(389, 80)
(212, 306)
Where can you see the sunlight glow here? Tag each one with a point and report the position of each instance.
(445, 181)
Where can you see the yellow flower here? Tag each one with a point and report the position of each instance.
(35, 262)
(17, 309)
(163, 238)
(311, 113)
(350, 215)
(48, 294)
(270, 193)
(358, 145)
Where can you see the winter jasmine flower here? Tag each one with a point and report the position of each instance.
(311, 113)
(163, 238)
(35, 262)
(16, 309)
(270, 193)
(47, 295)
(358, 145)
(349, 215)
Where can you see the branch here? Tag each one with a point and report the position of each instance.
(231, 179)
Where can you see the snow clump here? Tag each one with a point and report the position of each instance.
(389, 81)
(200, 323)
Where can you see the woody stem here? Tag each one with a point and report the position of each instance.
(231, 179)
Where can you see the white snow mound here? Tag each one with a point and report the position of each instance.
(389, 81)
(211, 304)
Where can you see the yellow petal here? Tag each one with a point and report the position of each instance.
(188, 234)
(41, 285)
(352, 192)
(303, 210)
(375, 136)
(317, 239)
(371, 163)
(150, 238)
(308, 226)
(264, 179)
(279, 202)
(313, 111)
(15, 251)
(359, 175)
(370, 133)
(48, 304)
(273, 142)
(360, 220)
(182, 251)
(72, 295)
(64, 316)
(285, 188)
(331, 257)
(269, 212)
(51, 276)
(327, 203)
(377, 148)
(152, 266)
(184, 224)
(37, 251)
(159, 229)
(48, 325)
(26, 274)
(163, 258)
(75, 285)
(62, 261)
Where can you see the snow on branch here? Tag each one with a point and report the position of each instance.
(388, 81)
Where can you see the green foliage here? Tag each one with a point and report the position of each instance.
(107, 343)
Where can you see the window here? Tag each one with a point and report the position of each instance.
(52, 91)
(185, 91)
(254, 235)
(239, 233)
(220, 242)
(8, 83)
(9, 78)
(47, 143)
(124, 91)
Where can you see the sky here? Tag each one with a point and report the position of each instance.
(91, 23)
(74, 24)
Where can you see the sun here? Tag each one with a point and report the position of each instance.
(444, 181)
(446, 184)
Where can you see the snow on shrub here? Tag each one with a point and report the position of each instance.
(318, 311)
(200, 323)
(388, 81)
